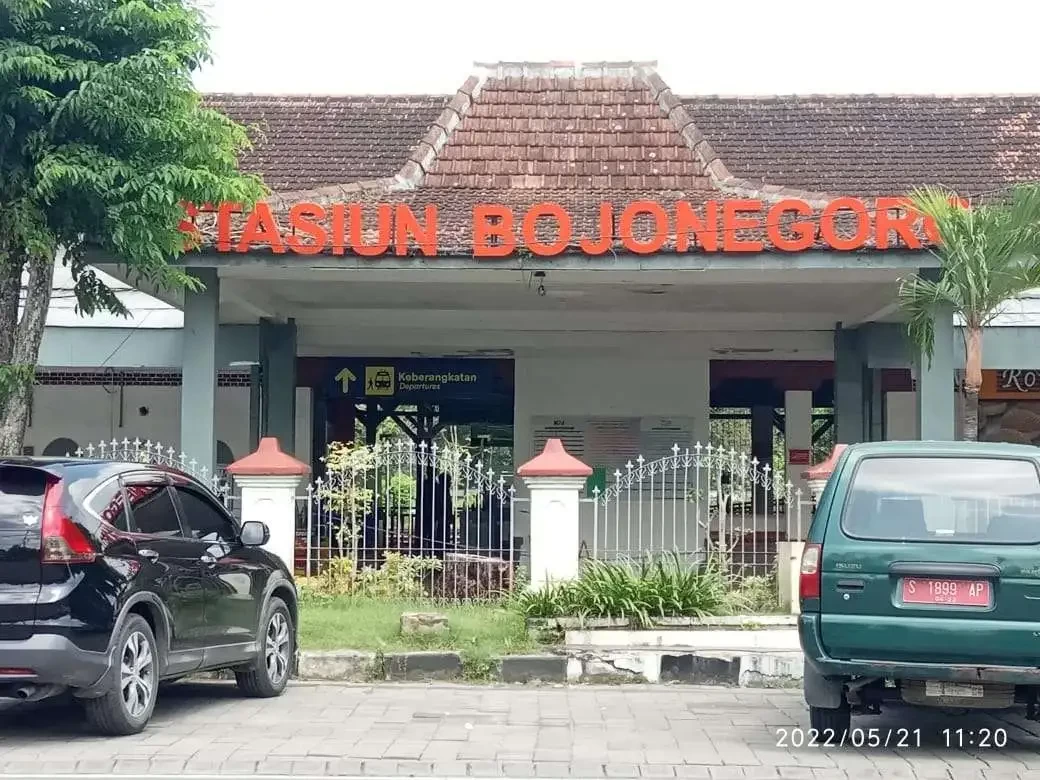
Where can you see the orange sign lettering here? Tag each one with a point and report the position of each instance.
(547, 229)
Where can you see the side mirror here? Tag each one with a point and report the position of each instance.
(255, 534)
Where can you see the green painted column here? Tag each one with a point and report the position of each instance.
(199, 370)
(936, 408)
(850, 401)
(278, 377)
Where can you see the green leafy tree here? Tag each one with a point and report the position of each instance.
(988, 255)
(102, 137)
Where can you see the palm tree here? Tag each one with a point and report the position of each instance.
(988, 254)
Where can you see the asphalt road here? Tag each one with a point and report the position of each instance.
(458, 731)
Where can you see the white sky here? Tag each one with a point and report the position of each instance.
(701, 46)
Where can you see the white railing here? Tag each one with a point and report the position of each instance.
(692, 502)
(445, 515)
(156, 454)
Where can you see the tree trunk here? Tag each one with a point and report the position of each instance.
(10, 286)
(972, 382)
(25, 351)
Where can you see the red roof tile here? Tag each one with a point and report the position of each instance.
(305, 141)
(873, 145)
(564, 133)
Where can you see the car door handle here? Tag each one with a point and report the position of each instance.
(851, 584)
(150, 555)
(208, 559)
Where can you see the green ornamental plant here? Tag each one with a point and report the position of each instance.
(988, 255)
(639, 591)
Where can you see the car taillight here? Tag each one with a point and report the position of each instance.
(809, 581)
(61, 539)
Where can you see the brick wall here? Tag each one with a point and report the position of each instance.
(130, 377)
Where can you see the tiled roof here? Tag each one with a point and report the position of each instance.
(305, 141)
(543, 132)
(523, 133)
(875, 145)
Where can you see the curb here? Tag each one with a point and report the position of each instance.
(713, 622)
(740, 669)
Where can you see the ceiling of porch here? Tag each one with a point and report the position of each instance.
(441, 312)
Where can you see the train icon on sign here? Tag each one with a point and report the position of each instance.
(379, 380)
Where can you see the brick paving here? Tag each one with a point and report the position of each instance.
(459, 731)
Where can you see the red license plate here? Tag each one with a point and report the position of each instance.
(959, 593)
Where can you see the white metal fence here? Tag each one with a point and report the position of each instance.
(692, 502)
(446, 523)
(156, 454)
(446, 516)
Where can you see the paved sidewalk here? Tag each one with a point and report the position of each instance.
(458, 731)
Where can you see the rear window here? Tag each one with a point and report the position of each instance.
(21, 498)
(944, 500)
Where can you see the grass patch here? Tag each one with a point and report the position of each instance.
(476, 631)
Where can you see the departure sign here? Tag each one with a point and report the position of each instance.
(415, 380)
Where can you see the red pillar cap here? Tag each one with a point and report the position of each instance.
(554, 461)
(268, 461)
(824, 469)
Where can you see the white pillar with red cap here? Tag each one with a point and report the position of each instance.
(555, 479)
(268, 479)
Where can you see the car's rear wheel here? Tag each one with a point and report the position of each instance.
(268, 675)
(127, 707)
(830, 724)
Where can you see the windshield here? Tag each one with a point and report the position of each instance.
(944, 499)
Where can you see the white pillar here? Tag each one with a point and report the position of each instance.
(798, 436)
(699, 390)
(900, 416)
(555, 530)
(798, 457)
(272, 500)
(268, 479)
(555, 480)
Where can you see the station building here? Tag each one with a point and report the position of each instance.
(559, 250)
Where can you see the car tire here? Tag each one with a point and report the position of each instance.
(268, 675)
(121, 711)
(830, 724)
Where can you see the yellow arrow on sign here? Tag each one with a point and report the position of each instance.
(345, 377)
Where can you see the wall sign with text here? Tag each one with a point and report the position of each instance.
(1010, 384)
(395, 380)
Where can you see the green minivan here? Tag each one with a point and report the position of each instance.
(920, 580)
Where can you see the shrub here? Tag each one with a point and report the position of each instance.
(400, 577)
(637, 591)
(754, 596)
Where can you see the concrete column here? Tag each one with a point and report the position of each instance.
(877, 405)
(762, 449)
(555, 480)
(900, 416)
(199, 370)
(278, 368)
(849, 426)
(936, 412)
(319, 428)
(268, 479)
(798, 436)
(700, 398)
(254, 407)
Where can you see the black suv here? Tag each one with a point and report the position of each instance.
(117, 576)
